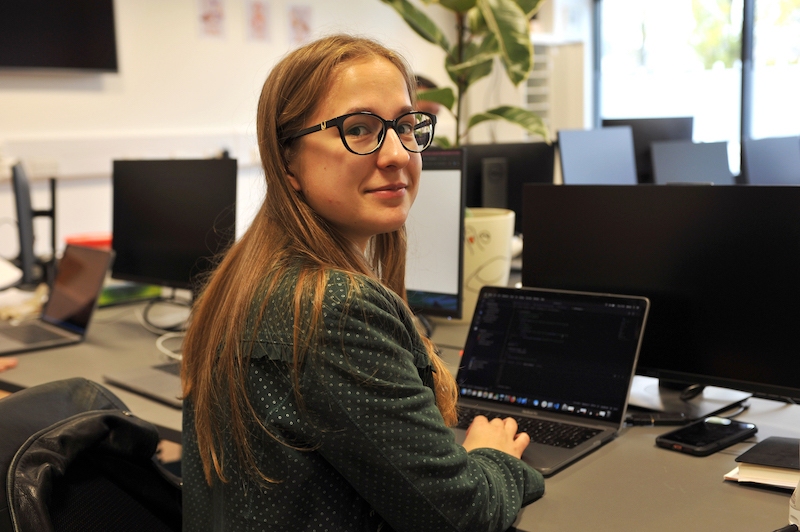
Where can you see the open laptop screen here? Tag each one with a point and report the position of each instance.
(81, 272)
(559, 351)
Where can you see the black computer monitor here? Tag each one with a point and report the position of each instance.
(649, 130)
(171, 219)
(719, 264)
(495, 173)
(58, 34)
(435, 229)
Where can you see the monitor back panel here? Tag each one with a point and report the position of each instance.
(718, 263)
(597, 156)
(172, 218)
(496, 173)
(684, 161)
(648, 130)
(772, 161)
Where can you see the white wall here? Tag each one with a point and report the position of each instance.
(179, 95)
(176, 95)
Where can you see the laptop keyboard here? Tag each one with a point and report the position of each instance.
(30, 334)
(551, 433)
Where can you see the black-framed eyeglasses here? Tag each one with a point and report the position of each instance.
(363, 133)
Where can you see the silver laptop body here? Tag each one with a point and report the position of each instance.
(66, 315)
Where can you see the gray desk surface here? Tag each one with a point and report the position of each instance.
(628, 484)
(116, 341)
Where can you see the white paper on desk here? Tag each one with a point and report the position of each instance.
(778, 478)
(9, 274)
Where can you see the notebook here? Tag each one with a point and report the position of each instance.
(66, 315)
(551, 356)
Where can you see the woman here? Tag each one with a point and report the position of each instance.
(309, 393)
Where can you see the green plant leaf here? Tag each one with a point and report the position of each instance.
(478, 62)
(460, 6)
(476, 23)
(528, 120)
(529, 7)
(420, 23)
(444, 96)
(472, 62)
(442, 142)
(508, 23)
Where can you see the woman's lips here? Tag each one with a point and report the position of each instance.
(390, 191)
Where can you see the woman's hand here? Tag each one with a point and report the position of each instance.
(500, 434)
(7, 363)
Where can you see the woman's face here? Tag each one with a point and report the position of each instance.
(361, 195)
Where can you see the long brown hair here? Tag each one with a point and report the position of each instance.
(214, 370)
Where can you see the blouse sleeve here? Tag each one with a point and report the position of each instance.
(381, 430)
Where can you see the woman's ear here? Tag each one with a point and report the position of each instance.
(292, 171)
(293, 181)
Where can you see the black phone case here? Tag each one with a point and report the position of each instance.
(667, 440)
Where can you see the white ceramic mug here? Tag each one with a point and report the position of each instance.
(487, 252)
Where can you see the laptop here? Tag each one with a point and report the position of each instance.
(66, 315)
(160, 382)
(552, 358)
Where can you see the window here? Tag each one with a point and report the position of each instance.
(684, 58)
(776, 68)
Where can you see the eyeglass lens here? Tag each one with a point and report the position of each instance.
(363, 133)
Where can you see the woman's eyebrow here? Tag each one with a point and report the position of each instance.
(403, 110)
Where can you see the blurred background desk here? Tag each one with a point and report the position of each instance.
(116, 341)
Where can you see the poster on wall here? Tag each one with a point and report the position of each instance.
(299, 24)
(211, 18)
(257, 20)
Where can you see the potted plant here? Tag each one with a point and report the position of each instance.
(485, 30)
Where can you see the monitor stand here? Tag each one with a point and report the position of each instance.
(44, 270)
(647, 394)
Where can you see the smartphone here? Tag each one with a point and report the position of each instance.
(706, 436)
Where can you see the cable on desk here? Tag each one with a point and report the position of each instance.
(158, 329)
(692, 391)
(742, 408)
(169, 336)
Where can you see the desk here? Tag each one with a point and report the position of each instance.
(630, 484)
(115, 341)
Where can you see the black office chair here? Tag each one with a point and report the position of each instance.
(72, 458)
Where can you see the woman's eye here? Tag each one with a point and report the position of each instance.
(358, 131)
(405, 129)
